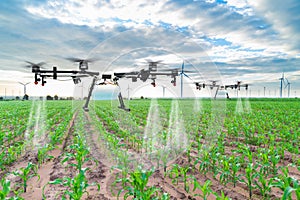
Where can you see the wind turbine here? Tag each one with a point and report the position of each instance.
(288, 85)
(128, 90)
(24, 84)
(181, 74)
(281, 84)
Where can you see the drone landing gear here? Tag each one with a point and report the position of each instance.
(122, 105)
(86, 105)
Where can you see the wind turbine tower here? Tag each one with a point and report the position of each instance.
(181, 74)
(281, 84)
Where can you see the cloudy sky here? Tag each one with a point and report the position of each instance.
(229, 40)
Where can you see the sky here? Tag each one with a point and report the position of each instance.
(254, 41)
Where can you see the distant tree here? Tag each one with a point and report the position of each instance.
(25, 97)
(17, 98)
(55, 97)
(48, 97)
(142, 97)
(1, 98)
(41, 98)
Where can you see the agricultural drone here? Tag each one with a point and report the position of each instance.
(214, 84)
(151, 73)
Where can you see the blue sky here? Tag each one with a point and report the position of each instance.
(249, 40)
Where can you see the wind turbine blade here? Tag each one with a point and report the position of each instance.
(287, 81)
(186, 76)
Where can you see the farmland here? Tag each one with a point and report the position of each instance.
(161, 149)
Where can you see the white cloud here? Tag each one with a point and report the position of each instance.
(251, 30)
(284, 16)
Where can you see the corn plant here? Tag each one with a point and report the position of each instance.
(235, 166)
(274, 158)
(5, 184)
(80, 154)
(265, 166)
(174, 173)
(264, 185)
(225, 173)
(287, 184)
(76, 187)
(137, 187)
(184, 173)
(250, 175)
(222, 196)
(205, 164)
(205, 189)
(27, 173)
(43, 155)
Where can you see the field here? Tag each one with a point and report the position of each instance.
(161, 149)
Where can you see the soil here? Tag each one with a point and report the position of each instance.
(101, 173)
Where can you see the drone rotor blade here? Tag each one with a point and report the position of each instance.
(90, 60)
(31, 64)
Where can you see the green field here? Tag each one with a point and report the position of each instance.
(161, 149)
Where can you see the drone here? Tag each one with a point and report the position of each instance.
(200, 85)
(237, 86)
(151, 73)
(214, 84)
(40, 75)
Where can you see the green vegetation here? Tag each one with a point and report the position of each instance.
(254, 150)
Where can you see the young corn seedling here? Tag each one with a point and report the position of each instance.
(174, 173)
(204, 162)
(250, 176)
(5, 185)
(274, 158)
(225, 173)
(80, 155)
(183, 173)
(264, 186)
(215, 156)
(265, 166)
(76, 187)
(205, 189)
(287, 184)
(137, 188)
(43, 154)
(27, 173)
(235, 166)
(222, 196)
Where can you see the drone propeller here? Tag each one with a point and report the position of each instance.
(179, 70)
(34, 65)
(81, 60)
(83, 63)
(154, 62)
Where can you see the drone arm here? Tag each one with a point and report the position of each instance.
(86, 105)
(122, 105)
